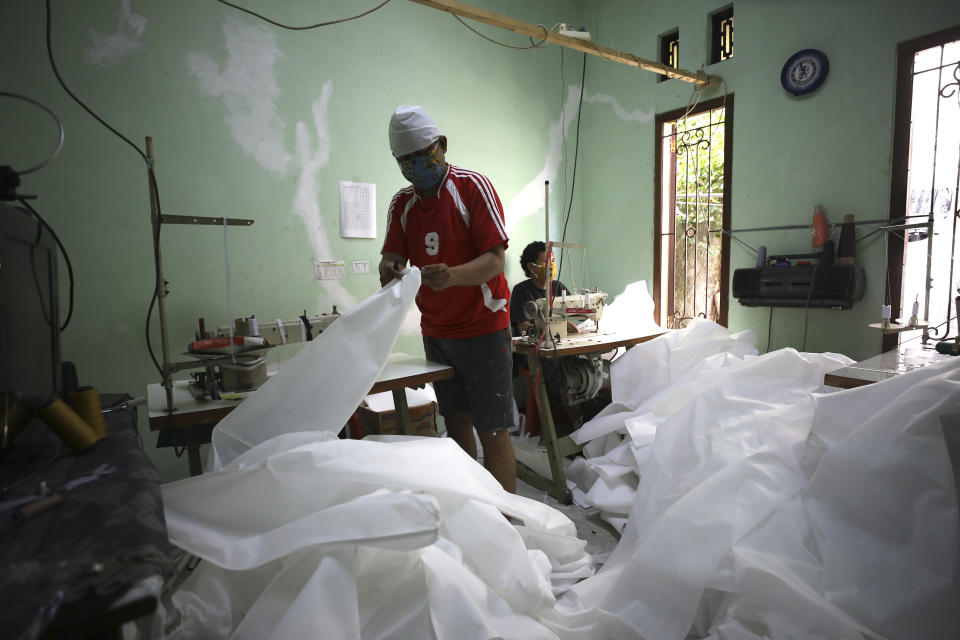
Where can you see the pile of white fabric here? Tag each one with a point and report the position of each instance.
(760, 509)
(304, 535)
(750, 505)
(660, 382)
(310, 536)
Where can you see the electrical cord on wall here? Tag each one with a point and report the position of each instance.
(576, 154)
(806, 307)
(303, 28)
(152, 179)
(66, 258)
(56, 151)
(769, 329)
(533, 45)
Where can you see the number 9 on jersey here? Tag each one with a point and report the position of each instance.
(432, 241)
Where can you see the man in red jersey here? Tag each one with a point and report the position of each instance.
(449, 223)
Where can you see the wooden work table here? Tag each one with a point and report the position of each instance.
(558, 448)
(401, 371)
(903, 359)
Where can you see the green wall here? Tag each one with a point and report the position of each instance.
(255, 122)
(252, 122)
(832, 147)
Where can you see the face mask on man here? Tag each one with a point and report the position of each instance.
(423, 170)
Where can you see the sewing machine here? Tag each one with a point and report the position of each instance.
(248, 369)
(583, 310)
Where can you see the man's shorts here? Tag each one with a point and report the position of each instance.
(483, 384)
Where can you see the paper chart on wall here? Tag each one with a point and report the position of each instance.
(358, 218)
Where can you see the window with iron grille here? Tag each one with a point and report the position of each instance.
(670, 51)
(722, 40)
(924, 233)
(691, 254)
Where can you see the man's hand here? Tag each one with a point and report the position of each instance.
(437, 276)
(391, 268)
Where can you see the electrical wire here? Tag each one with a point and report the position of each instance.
(66, 259)
(56, 72)
(307, 27)
(806, 309)
(576, 153)
(533, 45)
(151, 176)
(56, 151)
(769, 329)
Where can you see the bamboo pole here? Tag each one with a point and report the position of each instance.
(464, 10)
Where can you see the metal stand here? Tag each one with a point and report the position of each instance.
(169, 368)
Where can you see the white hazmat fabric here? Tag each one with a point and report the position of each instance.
(411, 129)
(301, 533)
(317, 390)
(751, 505)
(763, 509)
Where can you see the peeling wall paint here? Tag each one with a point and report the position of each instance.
(312, 156)
(247, 86)
(637, 115)
(107, 50)
(530, 198)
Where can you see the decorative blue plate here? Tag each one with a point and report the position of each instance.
(804, 71)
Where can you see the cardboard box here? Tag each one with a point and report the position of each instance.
(423, 420)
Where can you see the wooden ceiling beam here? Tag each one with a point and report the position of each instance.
(464, 10)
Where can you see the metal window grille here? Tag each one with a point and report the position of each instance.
(692, 263)
(670, 51)
(722, 35)
(930, 249)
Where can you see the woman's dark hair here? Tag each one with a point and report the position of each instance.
(530, 254)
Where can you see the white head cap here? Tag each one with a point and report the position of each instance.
(411, 129)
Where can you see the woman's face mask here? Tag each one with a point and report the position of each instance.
(423, 170)
(539, 271)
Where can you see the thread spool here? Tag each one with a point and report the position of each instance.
(846, 247)
(86, 402)
(761, 257)
(885, 315)
(71, 428)
(821, 230)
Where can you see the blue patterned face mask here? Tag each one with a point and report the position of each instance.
(423, 170)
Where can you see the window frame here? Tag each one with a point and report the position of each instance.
(665, 40)
(716, 34)
(660, 120)
(900, 166)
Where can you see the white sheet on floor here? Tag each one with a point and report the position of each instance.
(311, 517)
(661, 381)
(764, 509)
(751, 507)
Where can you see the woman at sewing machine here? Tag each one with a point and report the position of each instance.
(533, 261)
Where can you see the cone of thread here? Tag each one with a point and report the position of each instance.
(86, 402)
(846, 247)
(71, 428)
